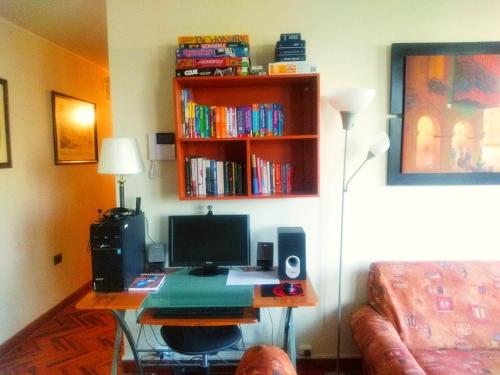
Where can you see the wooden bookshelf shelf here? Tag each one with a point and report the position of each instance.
(297, 148)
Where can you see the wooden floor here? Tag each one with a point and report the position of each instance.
(81, 342)
(72, 342)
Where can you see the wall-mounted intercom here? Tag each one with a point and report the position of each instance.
(161, 146)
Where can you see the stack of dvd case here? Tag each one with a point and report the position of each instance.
(212, 55)
(290, 47)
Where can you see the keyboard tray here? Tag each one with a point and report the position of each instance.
(199, 312)
(249, 315)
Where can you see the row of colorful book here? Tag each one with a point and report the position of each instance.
(212, 55)
(206, 177)
(204, 121)
(270, 177)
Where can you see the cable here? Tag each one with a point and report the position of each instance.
(147, 230)
(153, 171)
(272, 326)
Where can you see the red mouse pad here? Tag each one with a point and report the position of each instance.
(277, 290)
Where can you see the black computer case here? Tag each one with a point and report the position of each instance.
(118, 252)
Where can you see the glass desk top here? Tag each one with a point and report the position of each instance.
(180, 289)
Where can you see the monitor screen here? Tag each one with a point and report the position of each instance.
(209, 241)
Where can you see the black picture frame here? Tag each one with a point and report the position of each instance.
(400, 52)
(5, 151)
(74, 143)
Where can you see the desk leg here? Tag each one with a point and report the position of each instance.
(116, 350)
(120, 320)
(289, 337)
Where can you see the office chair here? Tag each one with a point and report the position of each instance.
(204, 340)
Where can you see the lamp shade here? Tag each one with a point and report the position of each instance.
(379, 146)
(120, 156)
(351, 100)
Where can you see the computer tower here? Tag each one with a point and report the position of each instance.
(118, 252)
(291, 253)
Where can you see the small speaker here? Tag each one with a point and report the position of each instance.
(265, 255)
(291, 253)
(156, 257)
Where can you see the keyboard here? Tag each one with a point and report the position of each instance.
(199, 312)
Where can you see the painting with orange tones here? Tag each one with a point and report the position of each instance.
(446, 102)
(75, 134)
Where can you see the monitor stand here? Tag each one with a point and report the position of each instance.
(208, 271)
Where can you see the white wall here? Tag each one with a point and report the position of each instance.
(45, 209)
(349, 41)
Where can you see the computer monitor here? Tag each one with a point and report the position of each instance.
(209, 241)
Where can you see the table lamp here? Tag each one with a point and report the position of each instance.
(349, 102)
(120, 156)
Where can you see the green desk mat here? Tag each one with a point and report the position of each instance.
(181, 289)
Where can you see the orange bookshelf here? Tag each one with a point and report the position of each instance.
(298, 146)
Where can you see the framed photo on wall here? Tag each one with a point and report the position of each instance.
(5, 155)
(75, 130)
(446, 97)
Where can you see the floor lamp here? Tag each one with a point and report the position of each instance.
(349, 102)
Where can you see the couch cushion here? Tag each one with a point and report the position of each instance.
(458, 362)
(439, 305)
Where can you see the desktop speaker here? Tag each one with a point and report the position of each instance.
(291, 253)
(265, 255)
(118, 252)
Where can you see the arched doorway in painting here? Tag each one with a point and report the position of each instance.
(428, 148)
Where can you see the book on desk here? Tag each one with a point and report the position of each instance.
(147, 281)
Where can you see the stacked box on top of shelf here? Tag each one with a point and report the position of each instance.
(212, 55)
(206, 177)
(207, 121)
(290, 55)
(270, 177)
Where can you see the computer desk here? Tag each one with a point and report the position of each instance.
(119, 302)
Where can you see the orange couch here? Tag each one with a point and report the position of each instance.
(434, 318)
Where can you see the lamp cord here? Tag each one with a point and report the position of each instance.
(339, 281)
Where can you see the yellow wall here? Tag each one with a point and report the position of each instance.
(349, 41)
(45, 209)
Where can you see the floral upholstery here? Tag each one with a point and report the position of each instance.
(430, 318)
(265, 360)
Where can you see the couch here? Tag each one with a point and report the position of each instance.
(430, 318)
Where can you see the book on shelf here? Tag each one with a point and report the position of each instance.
(147, 281)
(207, 177)
(205, 121)
(290, 57)
(270, 177)
(290, 43)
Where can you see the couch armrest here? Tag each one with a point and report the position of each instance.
(381, 348)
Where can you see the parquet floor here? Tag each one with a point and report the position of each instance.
(72, 342)
(80, 342)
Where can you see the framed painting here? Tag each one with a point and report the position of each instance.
(446, 102)
(5, 156)
(75, 131)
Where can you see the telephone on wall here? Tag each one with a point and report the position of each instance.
(161, 146)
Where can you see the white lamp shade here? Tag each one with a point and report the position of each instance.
(380, 145)
(351, 100)
(120, 156)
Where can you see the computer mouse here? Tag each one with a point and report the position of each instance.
(288, 288)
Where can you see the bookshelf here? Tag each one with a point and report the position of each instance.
(297, 147)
